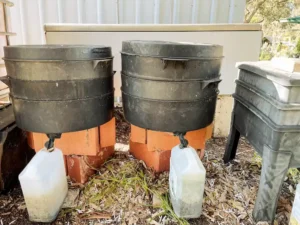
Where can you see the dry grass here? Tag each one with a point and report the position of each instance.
(122, 190)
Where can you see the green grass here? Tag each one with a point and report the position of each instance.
(257, 160)
(293, 173)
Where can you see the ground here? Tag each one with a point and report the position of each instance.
(122, 191)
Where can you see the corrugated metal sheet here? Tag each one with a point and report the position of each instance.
(28, 16)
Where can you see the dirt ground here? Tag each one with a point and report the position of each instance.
(122, 191)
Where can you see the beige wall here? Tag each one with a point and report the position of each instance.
(223, 116)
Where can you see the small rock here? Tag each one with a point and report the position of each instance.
(156, 201)
(121, 147)
(70, 200)
(291, 189)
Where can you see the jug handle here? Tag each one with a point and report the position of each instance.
(5, 80)
(180, 60)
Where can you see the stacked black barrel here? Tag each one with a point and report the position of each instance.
(169, 86)
(60, 88)
(267, 111)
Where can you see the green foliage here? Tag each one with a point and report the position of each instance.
(266, 53)
(294, 174)
(279, 47)
(265, 56)
(297, 50)
(282, 37)
(267, 11)
(166, 206)
(257, 160)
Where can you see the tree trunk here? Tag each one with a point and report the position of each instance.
(254, 11)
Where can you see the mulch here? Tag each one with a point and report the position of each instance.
(122, 191)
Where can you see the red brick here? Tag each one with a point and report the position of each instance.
(209, 131)
(159, 161)
(155, 151)
(201, 153)
(86, 142)
(80, 168)
(138, 134)
(66, 166)
(108, 134)
(166, 141)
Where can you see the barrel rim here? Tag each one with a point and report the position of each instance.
(171, 101)
(176, 43)
(218, 77)
(172, 49)
(106, 95)
(56, 60)
(169, 57)
(58, 81)
(56, 52)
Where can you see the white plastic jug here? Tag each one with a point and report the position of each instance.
(44, 185)
(186, 182)
(295, 215)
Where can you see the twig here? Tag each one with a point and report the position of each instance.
(209, 217)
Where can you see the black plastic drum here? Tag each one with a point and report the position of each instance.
(60, 88)
(169, 86)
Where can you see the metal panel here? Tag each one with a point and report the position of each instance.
(28, 16)
(223, 8)
(237, 11)
(94, 14)
(145, 11)
(69, 11)
(127, 11)
(184, 9)
(165, 11)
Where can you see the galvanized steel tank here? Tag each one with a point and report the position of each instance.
(60, 88)
(168, 86)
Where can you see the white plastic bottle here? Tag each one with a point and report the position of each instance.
(186, 182)
(44, 185)
(295, 215)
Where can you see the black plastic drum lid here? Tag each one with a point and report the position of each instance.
(56, 52)
(172, 49)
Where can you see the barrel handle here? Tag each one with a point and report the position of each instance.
(97, 61)
(5, 80)
(175, 60)
(208, 82)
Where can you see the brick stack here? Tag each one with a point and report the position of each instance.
(85, 151)
(154, 147)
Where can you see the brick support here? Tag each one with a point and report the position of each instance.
(154, 147)
(81, 167)
(85, 151)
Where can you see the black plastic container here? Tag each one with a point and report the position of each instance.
(60, 88)
(169, 86)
